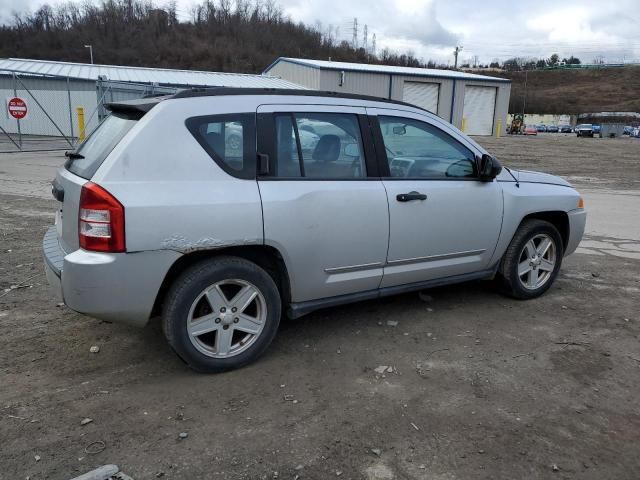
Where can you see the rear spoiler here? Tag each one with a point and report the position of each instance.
(135, 107)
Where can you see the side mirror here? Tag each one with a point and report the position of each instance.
(400, 130)
(488, 168)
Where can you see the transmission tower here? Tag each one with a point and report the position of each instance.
(354, 40)
(365, 37)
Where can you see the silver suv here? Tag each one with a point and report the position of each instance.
(220, 209)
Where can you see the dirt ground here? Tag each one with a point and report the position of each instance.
(480, 386)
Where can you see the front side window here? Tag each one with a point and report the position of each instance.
(318, 145)
(229, 140)
(417, 149)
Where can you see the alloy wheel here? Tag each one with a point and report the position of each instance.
(537, 261)
(226, 318)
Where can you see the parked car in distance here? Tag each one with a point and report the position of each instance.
(596, 129)
(628, 130)
(530, 131)
(552, 128)
(541, 128)
(584, 130)
(158, 216)
(566, 129)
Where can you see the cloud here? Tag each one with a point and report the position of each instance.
(395, 22)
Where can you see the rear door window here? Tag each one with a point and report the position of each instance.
(319, 145)
(229, 139)
(93, 151)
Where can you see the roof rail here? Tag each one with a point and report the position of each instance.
(223, 91)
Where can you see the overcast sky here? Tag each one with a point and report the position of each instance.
(490, 29)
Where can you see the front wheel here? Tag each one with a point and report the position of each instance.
(221, 314)
(532, 261)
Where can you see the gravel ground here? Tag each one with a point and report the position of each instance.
(477, 385)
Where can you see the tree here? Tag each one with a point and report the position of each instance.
(511, 64)
(554, 60)
(541, 64)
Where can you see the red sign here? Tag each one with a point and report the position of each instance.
(17, 108)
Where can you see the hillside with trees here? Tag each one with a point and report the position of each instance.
(221, 35)
(573, 91)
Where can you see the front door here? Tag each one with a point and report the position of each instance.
(443, 220)
(323, 208)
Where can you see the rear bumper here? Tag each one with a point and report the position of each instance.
(117, 287)
(577, 222)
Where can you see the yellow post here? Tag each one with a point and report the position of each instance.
(463, 126)
(498, 128)
(81, 131)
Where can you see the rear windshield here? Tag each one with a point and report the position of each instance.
(99, 144)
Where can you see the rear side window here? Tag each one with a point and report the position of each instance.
(230, 140)
(99, 144)
(319, 145)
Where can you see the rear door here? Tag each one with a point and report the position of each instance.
(443, 221)
(324, 206)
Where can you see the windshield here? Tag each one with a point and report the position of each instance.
(92, 152)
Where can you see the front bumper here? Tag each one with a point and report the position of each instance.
(117, 287)
(577, 222)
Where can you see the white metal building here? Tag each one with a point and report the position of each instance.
(53, 90)
(481, 101)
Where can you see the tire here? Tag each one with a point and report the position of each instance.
(518, 282)
(205, 322)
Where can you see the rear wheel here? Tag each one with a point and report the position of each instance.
(532, 261)
(221, 314)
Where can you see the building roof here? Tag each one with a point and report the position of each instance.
(386, 69)
(162, 76)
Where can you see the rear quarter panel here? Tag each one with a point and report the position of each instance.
(175, 196)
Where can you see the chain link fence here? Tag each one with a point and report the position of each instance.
(60, 111)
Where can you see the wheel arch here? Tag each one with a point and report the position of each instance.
(265, 256)
(557, 218)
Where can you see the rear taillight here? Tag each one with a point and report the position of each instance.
(100, 220)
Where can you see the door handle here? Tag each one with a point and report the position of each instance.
(408, 197)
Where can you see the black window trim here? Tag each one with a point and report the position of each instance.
(266, 139)
(249, 154)
(383, 160)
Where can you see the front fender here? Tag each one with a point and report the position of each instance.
(521, 200)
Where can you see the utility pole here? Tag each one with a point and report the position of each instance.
(524, 99)
(455, 54)
(90, 52)
(373, 45)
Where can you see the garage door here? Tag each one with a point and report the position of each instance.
(423, 95)
(479, 107)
